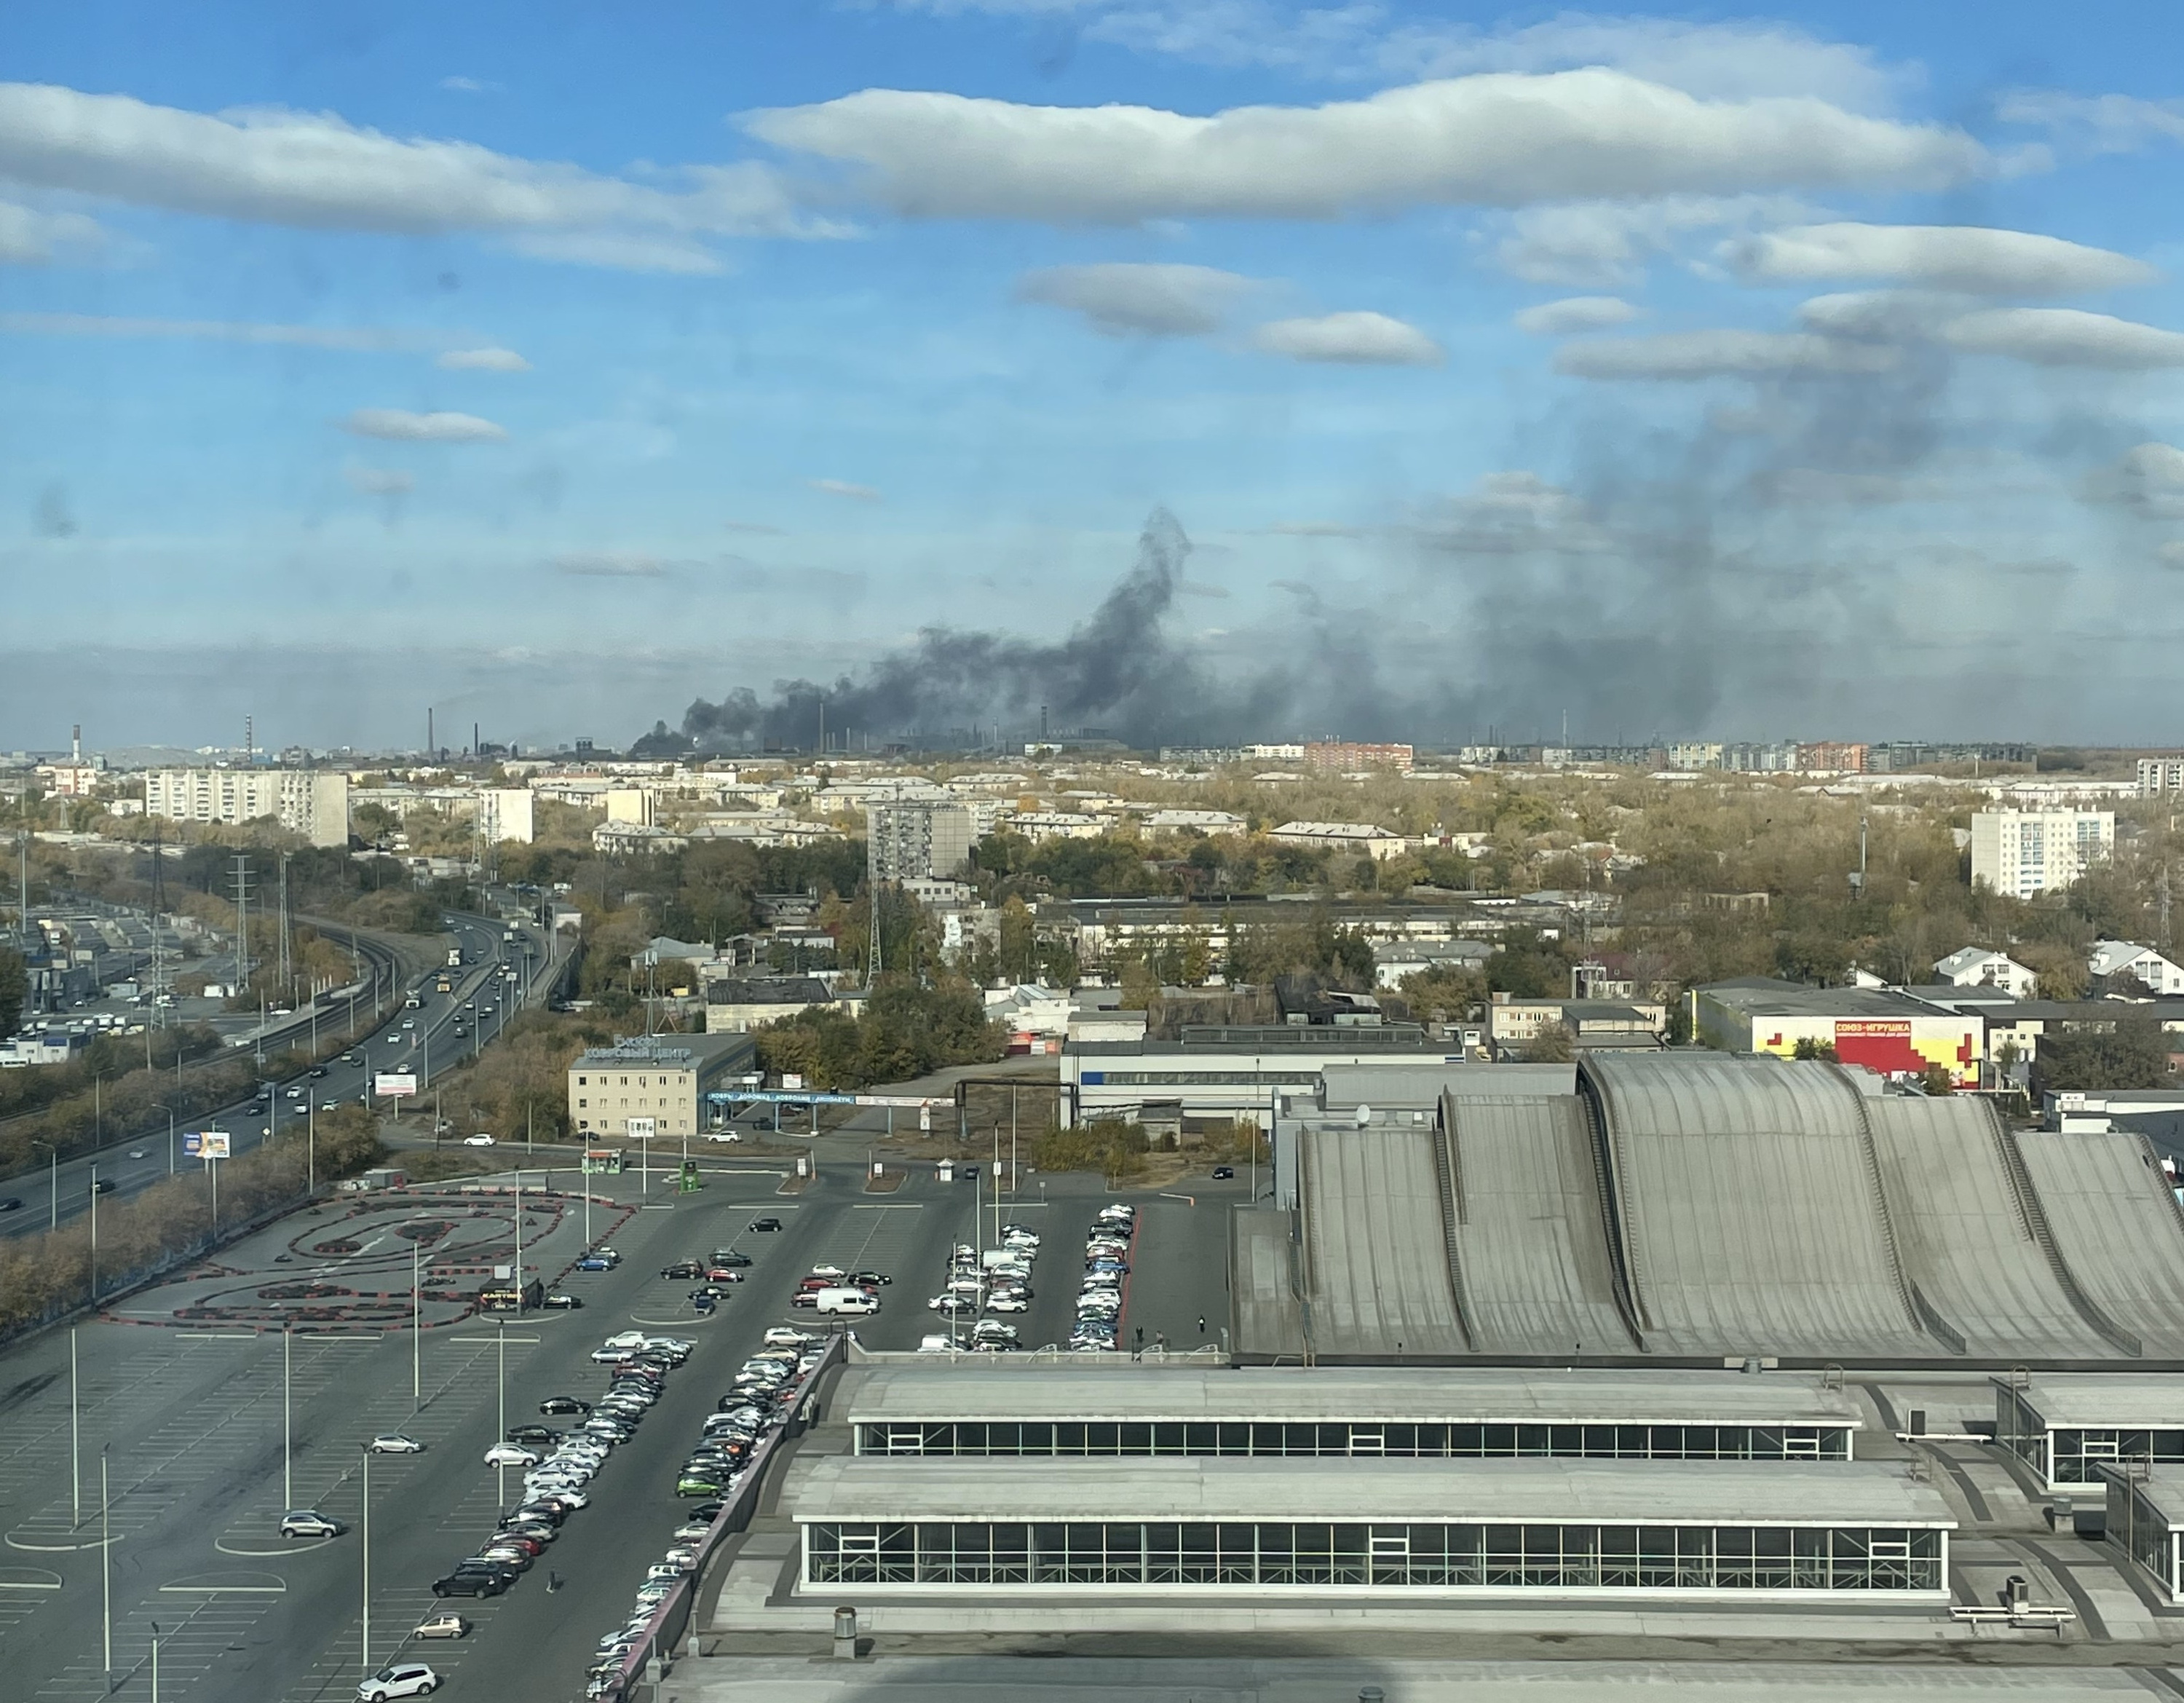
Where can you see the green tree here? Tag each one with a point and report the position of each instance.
(2132, 1054)
(15, 989)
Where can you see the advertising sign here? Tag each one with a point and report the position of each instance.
(207, 1144)
(643, 1128)
(394, 1084)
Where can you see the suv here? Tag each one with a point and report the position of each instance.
(309, 1522)
(401, 1679)
(470, 1579)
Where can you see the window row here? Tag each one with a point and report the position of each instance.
(2077, 1452)
(1445, 1556)
(1358, 1437)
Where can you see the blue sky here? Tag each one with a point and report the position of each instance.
(1810, 372)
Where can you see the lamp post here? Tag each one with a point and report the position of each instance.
(287, 1432)
(105, 1569)
(53, 1221)
(155, 1661)
(367, 1560)
(75, 1442)
(502, 1436)
(171, 1140)
(94, 1232)
(416, 1329)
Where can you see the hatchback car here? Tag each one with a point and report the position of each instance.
(474, 1582)
(682, 1270)
(511, 1454)
(765, 1224)
(395, 1442)
(403, 1679)
(446, 1624)
(309, 1522)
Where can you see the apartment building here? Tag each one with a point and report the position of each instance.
(916, 842)
(310, 802)
(2021, 853)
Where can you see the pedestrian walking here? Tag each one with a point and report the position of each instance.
(1201, 1324)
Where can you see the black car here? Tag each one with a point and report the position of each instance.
(563, 1302)
(1223, 1173)
(683, 1269)
(541, 1513)
(103, 1185)
(866, 1280)
(316, 1070)
(534, 1433)
(13, 1203)
(731, 1258)
(564, 1404)
(476, 1581)
(706, 1510)
(763, 1224)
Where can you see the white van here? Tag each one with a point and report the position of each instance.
(847, 1301)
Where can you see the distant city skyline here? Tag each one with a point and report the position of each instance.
(1814, 367)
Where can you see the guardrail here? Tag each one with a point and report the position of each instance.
(671, 1619)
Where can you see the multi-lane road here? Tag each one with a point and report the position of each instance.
(422, 1043)
(189, 1423)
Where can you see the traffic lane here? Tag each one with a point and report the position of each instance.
(1179, 1282)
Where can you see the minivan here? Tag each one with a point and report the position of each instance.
(854, 1301)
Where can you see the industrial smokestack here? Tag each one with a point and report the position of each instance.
(1042, 723)
(75, 743)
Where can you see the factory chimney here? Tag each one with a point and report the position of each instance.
(75, 744)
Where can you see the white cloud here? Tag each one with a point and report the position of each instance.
(622, 251)
(2066, 337)
(1491, 139)
(483, 361)
(611, 564)
(1363, 339)
(30, 237)
(1576, 313)
(2171, 555)
(400, 425)
(366, 339)
(469, 86)
(1883, 315)
(1357, 39)
(314, 170)
(2149, 478)
(843, 487)
(1317, 529)
(1967, 258)
(2104, 124)
(1123, 299)
(378, 482)
(1695, 354)
(1835, 487)
(1597, 243)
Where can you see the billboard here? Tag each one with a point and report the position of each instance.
(206, 1144)
(643, 1128)
(394, 1084)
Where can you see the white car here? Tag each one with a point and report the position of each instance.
(724, 1135)
(1008, 1303)
(511, 1454)
(788, 1336)
(394, 1443)
(479, 1140)
(400, 1679)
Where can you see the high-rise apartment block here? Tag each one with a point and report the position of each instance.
(2160, 774)
(913, 841)
(311, 802)
(2022, 852)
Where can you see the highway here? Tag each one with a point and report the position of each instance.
(194, 1420)
(428, 1045)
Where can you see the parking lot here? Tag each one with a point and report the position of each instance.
(189, 1422)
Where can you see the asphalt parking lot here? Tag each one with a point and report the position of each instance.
(189, 1421)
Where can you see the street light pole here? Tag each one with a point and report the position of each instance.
(367, 1560)
(75, 1441)
(155, 1661)
(416, 1331)
(94, 1233)
(171, 1140)
(287, 1434)
(502, 1470)
(105, 1568)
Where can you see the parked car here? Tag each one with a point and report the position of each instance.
(765, 1224)
(445, 1624)
(561, 1301)
(682, 1270)
(473, 1581)
(401, 1679)
(730, 1257)
(564, 1404)
(511, 1454)
(479, 1140)
(309, 1522)
(396, 1442)
(533, 1433)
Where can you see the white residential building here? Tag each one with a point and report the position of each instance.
(504, 812)
(1040, 825)
(2160, 774)
(2021, 853)
(1202, 821)
(2129, 957)
(311, 802)
(1977, 967)
(919, 841)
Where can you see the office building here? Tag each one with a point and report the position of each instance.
(310, 802)
(648, 1087)
(2021, 853)
(916, 842)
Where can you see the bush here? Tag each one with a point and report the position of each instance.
(1111, 1148)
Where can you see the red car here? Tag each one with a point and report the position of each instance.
(723, 1274)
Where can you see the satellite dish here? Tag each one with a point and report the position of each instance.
(1364, 1116)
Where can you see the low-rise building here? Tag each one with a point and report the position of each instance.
(1978, 967)
(647, 1087)
(1885, 1031)
(1373, 842)
(2128, 957)
(733, 1005)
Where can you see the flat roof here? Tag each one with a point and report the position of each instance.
(1778, 999)
(2100, 1400)
(998, 1390)
(2162, 1485)
(1333, 1488)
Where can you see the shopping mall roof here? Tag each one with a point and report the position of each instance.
(996, 1388)
(843, 1487)
(2101, 1402)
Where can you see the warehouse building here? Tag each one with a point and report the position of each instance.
(2145, 1519)
(1887, 1032)
(1686, 1207)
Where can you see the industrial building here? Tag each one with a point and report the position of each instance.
(2021, 853)
(2144, 1517)
(310, 802)
(1217, 1074)
(1686, 1208)
(2066, 1429)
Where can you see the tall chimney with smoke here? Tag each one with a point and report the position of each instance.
(75, 744)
